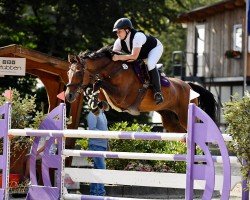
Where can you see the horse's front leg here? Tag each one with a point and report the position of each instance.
(94, 96)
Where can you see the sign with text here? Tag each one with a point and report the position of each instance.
(12, 66)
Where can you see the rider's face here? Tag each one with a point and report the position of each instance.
(121, 33)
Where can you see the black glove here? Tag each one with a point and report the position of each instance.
(97, 85)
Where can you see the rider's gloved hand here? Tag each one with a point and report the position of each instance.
(97, 85)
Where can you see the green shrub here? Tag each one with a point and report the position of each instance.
(82, 143)
(237, 115)
(143, 146)
(23, 115)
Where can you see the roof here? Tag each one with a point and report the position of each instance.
(36, 60)
(200, 14)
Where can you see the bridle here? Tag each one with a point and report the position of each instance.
(80, 86)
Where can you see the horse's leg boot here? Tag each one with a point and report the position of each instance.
(155, 80)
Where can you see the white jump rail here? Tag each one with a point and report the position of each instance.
(73, 133)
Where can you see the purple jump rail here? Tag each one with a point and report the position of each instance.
(201, 131)
(4, 158)
(53, 121)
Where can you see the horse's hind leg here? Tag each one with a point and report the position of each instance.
(171, 122)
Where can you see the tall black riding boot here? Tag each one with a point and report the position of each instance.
(155, 80)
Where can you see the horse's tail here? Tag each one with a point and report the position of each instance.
(207, 101)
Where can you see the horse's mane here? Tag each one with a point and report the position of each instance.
(103, 52)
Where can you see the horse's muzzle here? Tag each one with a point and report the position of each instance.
(70, 96)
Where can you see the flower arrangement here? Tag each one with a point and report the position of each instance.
(232, 54)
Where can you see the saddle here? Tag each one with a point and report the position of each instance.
(141, 71)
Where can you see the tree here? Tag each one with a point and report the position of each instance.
(25, 84)
(58, 27)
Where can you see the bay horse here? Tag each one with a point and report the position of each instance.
(122, 89)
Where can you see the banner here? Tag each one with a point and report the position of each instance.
(12, 66)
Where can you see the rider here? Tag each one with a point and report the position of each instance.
(138, 45)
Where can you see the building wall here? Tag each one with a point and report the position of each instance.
(218, 39)
(227, 74)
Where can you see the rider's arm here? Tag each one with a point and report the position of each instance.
(133, 56)
(117, 46)
(138, 41)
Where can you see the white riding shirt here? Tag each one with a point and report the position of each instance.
(139, 40)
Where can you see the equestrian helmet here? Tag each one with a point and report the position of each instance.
(122, 23)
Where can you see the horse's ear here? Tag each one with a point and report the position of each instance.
(71, 58)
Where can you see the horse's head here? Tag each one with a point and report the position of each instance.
(75, 78)
(84, 69)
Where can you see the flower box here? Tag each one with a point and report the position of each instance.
(232, 54)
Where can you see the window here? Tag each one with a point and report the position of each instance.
(200, 42)
(237, 37)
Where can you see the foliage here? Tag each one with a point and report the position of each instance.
(25, 85)
(237, 115)
(42, 103)
(23, 115)
(82, 143)
(141, 146)
(59, 27)
(144, 147)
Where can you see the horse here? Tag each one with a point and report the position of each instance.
(124, 91)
